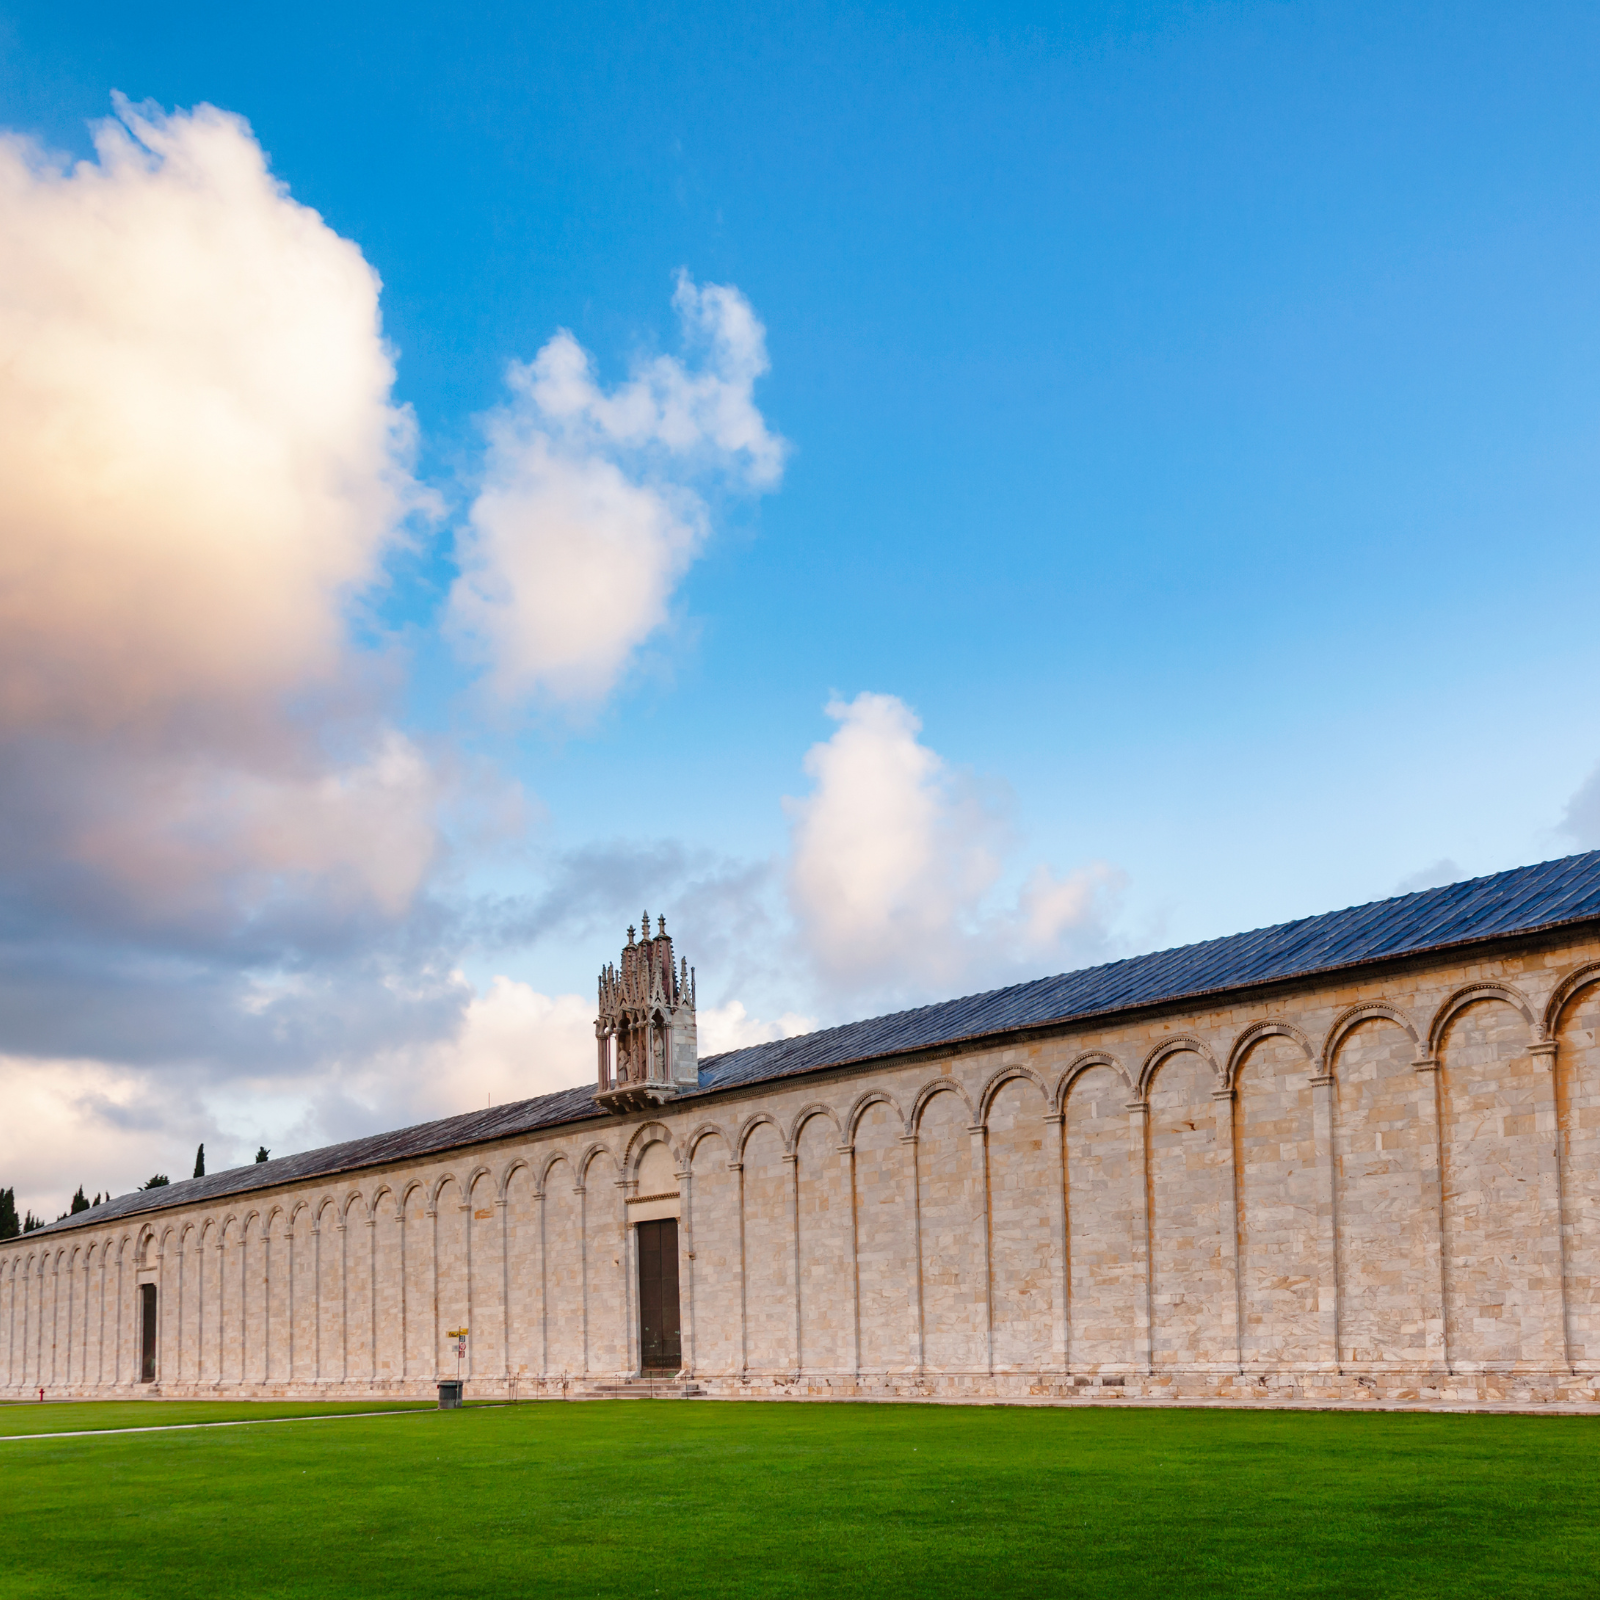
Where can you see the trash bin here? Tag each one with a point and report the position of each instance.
(450, 1395)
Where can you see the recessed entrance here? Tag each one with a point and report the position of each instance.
(660, 1347)
(147, 1333)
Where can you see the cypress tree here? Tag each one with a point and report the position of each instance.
(200, 1162)
(262, 1153)
(10, 1226)
(80, 1202)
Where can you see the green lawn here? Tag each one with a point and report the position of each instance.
(696, 1498)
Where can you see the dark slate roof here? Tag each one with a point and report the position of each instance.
(1524, 900)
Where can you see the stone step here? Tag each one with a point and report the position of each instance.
(644, 1389)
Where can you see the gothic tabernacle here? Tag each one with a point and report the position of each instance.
(1351, 1157)
(646, 1025)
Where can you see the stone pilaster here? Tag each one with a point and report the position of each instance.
(686, 1190)
(1139, 1158)
(1227, 1109)
(582, 1192)
(848, 1151)
(981, 1234)
(1061, 1324)
(1436, 1335)
(918, 1347)
(1327, 1262)
(1552, 1185)
(791, 1160)
(737, 1168)
(372, 1297)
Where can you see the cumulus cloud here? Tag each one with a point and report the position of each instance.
(190, 845)
(730, 1027)
(81, 1121)
(896, 858)
(513, 1042)
(589, 512)
(200, 466)
(215, 845)
(199, 457)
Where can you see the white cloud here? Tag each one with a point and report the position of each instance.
(515, 1043)
(213, 842)
(1052, 908)
(201, 464)
(587, 517)
(199, 457)
(887, 849)
(198, 837)
(895, 859)
(71, 1122)
(729, 1027)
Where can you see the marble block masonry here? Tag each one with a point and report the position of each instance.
(1351, 1157)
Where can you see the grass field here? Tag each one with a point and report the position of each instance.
(100, 1416)
(692, 1499)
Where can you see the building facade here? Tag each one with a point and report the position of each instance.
(1355, 1157)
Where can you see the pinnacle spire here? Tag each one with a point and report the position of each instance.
(645, 1029)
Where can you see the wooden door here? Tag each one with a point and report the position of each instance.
(147, 1333)
(659, 1343)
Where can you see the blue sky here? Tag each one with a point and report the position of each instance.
(1187, 414)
